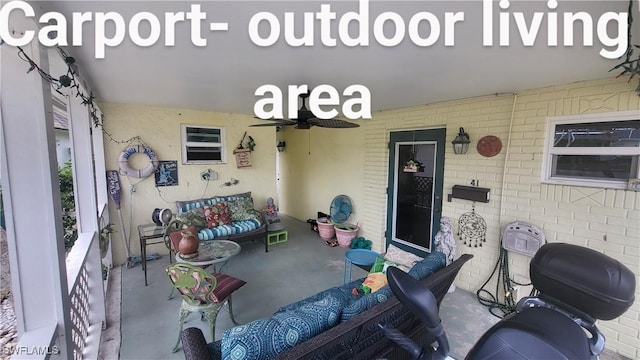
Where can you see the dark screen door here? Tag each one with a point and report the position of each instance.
(416, 167)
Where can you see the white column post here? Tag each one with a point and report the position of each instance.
(101, 186)
(32, 203)
(84, 184)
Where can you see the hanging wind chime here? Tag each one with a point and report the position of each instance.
(413, 165)
(472, 229)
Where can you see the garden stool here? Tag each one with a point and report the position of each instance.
(359, 257)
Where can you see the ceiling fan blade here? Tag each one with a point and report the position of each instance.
(332, 123)
(276, 123)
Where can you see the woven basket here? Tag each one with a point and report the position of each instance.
(345, 236)
(325, 229)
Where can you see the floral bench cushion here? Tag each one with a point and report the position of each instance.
(242, 214)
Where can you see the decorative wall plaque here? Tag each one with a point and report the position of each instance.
(167, 173)
(243, 157)
(489, 146)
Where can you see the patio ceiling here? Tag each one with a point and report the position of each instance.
(224, 75)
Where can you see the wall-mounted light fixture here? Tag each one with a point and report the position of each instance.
(461, 142)
(281, 145)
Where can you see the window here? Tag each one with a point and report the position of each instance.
(203, 145)
(597, 150)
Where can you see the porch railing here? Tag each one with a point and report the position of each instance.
(86, 293)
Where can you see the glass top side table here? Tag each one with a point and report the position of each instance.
(148, 232)
(213, 252)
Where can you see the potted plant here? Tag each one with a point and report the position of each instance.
(325, 228)
(345, 233)
(105, 236)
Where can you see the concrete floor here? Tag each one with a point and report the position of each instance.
(288, 272)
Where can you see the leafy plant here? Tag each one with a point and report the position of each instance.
(345, 227)
(105, 272)
(67, 199)
(104, 238)
(107, 229)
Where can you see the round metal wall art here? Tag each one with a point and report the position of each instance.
(489, 146)
(472, 229)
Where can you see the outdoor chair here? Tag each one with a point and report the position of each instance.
(202, 292)
(172, 238)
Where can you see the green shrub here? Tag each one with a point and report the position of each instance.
(68, 205)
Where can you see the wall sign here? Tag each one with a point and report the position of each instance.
(167, 173)
(243, 157)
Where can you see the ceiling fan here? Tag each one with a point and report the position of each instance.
(306, 119)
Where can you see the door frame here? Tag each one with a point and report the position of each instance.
(437, 136)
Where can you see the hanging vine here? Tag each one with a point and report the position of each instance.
(69, 80)
(630, 66)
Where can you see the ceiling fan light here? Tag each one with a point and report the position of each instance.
(306, 119)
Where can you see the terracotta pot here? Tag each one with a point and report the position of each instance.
(188, 245)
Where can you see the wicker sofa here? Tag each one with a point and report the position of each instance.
(357, 338)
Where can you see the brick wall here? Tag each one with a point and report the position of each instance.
(602, 219)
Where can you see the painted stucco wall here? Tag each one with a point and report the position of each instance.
(319, 164)
(576, 215)
(159, 128)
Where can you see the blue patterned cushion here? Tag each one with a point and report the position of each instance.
(366, 302)
(184, 206)
(309, 320)
(236, 227)
(266, 338)
(218, 199)
(429, 265)
(343, 293)
(248, 341)
(187, 205)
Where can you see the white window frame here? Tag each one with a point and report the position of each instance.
(550, 151)
(221, 145)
